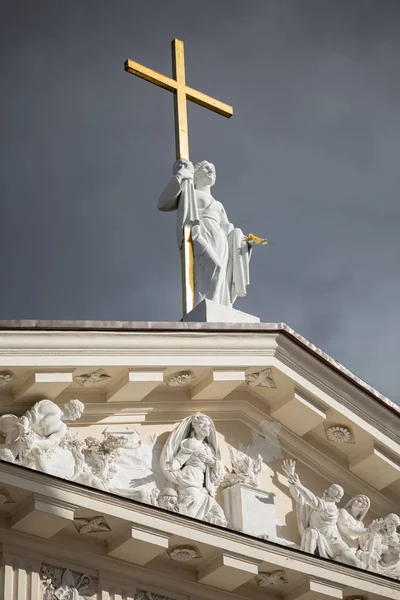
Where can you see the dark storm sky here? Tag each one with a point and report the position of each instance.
(309, 160)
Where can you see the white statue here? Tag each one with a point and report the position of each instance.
(350, 520)
(191, 459)
(318, 519)
(363, 541)
(169, 500)
(31, 438)
(221, 251)
(389, 563)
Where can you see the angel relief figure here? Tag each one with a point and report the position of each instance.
(191, 459)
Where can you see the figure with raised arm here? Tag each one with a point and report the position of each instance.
(318, 519)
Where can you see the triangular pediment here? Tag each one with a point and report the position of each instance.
(268, 399)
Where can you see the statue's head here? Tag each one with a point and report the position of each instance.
(201, 424)
(359, 506)
(391, 522)
(168, 499)
(204, 174)
(334, 493)
(73, 410)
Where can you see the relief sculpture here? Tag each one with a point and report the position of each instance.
(340, 533)
(30, 439)
(184, 475)
(191, 459)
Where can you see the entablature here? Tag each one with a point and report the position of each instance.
(137, 548)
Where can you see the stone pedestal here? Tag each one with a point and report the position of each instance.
(208, 311)
(250, 510)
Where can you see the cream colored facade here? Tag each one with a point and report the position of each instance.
(154, 375)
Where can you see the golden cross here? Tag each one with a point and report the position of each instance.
(182, 93)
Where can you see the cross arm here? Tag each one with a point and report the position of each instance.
(149, 75)
(207, 102)
(172, 85)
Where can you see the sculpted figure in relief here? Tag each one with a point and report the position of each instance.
(340, 533)
(221, 251)
(64, 584)
(191, 459)
(168, 499)
(318, 519)
(29, 439)
(389, 563)
(363, 541)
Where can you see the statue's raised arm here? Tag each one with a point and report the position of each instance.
(317, 519)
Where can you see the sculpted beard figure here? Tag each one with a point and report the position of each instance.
(221, 251)
(318, 519)
(191, 460)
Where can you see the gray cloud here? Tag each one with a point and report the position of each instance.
(310, 160)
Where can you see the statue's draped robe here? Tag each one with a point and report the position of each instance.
(182, 466)
(322, 518)
(221, 253)
(365, 544)
(389, 564)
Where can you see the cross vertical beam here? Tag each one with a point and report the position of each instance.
(180, 105)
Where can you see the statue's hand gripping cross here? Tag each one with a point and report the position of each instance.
(182, 93)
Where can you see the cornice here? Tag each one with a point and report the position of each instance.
(340, 394)
(62, 328)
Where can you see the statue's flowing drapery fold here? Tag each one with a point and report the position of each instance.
(221, 252)
(212, 475)
(195, 468)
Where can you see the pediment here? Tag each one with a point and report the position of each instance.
(268, 400)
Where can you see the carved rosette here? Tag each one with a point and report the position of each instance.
(180, 378)
(6, 377)
(184, 553)
(339, 434)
